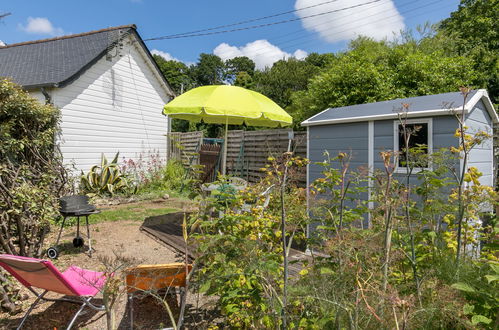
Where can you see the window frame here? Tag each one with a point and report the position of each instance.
(396, 123)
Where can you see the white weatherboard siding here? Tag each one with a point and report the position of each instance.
(113, 106)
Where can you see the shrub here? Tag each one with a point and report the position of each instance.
(242, 257)
(31, 173)
(154, 176)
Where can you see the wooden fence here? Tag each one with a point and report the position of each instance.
(247, 151)
(184, 146)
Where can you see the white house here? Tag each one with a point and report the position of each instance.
(109, 88)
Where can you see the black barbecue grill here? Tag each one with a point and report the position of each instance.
(74, 206)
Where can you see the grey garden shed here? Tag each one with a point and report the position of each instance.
(364, 130)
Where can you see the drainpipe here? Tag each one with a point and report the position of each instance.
(48, 98)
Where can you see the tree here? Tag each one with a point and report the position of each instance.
(209, 70)
(176, 73)
(372, 71)
(245, 80)
(284, 78)
(474, 30)
(237, 65)
(319, 60)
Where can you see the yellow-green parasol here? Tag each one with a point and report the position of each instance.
(229, 105)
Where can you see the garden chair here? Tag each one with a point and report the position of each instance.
(81, 284)
(153, 278)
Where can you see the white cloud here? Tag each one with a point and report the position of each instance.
(165, 55)
(2, 43)
(168, 56)
(376, 20)
(41, 25)
(262, 52)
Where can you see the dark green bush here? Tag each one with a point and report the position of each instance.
(32, 176)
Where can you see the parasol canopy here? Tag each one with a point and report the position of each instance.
(229, 105)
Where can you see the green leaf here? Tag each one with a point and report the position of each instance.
(463, 287)
(492, 278)
(468, 309)
(205, 287)
(103, 160)
(480, 319)
(325, 271)
(115, 160)
(495, 267)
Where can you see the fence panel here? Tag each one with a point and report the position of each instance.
(184, 146)
(247, 151)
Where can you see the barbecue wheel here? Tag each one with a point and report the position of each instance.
(52, 252)
(78, 242)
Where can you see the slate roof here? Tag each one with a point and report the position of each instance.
(58, 61)
(438, 104)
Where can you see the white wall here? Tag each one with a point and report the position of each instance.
(113, 106)
(38, 95)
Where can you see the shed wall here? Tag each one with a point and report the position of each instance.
(353, 137)
(482, 156)
(114, 106)
(350, 138)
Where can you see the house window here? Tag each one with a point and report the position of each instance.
(420, 137)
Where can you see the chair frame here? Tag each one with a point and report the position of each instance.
(85, 301)
(175, 283)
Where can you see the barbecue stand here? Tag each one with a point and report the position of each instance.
(74, 206)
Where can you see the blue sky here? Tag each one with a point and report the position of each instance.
(31, 20)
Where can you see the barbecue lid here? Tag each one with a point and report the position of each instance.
(75, 204)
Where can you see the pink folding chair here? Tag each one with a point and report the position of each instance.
(79, 283)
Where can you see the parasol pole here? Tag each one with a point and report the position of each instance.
(224, 156)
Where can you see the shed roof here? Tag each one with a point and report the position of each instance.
(57, 62)
(420, 106)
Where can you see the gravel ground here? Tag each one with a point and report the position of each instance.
(124, 238)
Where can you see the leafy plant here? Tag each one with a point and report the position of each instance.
(242, 259)
(483, 296)
(106, 179)
(32, 176)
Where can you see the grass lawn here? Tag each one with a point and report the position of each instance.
(129, 212)
(137, 211)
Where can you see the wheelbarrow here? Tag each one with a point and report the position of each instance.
(74, 206)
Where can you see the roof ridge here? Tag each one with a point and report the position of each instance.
(473, 92)
(130, 26)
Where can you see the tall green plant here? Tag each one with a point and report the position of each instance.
(241, 256)
(106, 179)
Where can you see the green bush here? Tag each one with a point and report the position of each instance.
(481, 289)
(31, 171)
(241, 257)
(32, 176)
(169, 178)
